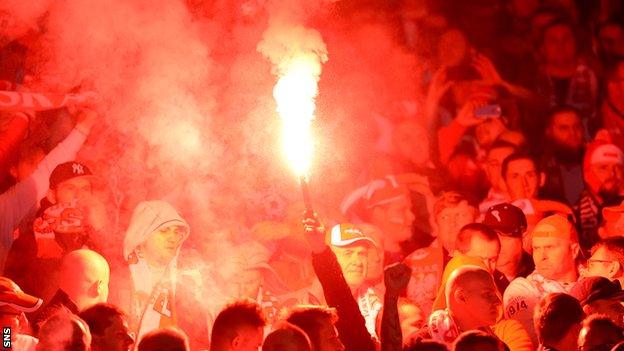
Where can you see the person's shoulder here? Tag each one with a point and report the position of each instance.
(519, 286)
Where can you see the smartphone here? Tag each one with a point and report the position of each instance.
(488, 111)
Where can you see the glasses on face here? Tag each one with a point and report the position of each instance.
(592, 261)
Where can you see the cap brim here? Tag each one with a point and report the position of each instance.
(20, 301)
(354, 240)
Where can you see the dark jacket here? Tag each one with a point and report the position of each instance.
(351, 325)
(58, 304)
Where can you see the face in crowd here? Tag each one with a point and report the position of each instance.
(559, 44)
(353, 260)
(487, 250)
(494, 164)
(477, 299)
(395, 219)
(510, 253)
(246, 283)
(450, 220)
(488, 131)
(522, 179)
(411, 142)
(162, 245)
(603, 263)
(615, 85)
(116, 337)
(78, 188)
(566, 131)
(610, 175)
(554, 257)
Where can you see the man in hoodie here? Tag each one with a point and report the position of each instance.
(160, 295)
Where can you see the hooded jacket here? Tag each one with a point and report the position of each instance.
(166, 299)
(147, 218)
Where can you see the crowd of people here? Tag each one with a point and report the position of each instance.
(492, 219)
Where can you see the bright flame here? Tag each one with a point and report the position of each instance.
(294, 93)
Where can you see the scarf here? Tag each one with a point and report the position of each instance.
(443, 328)
(154, 295)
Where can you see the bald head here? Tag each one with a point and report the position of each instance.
(472, 297)
(84, 276)
(464, 276)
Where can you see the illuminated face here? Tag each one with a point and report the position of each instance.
(485, 250)
(488, 131)
(162, 245)
(248, 339)
(510, 253)
(554, 257)
(412, 142)
(395, 220)
(522, 179)
(494, 164)
(566, 130)
(601, 264)
(559, 45)
(482, 301)
(116, 337)
(452, 48)
(610, 175)
(246, 283)
(328, 337)
(611, 39)
(353, 261)
(77, 188)
(450, 220)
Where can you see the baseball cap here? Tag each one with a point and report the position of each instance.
(590, 289)
(555, 226)
(506, 219)
(13, 299)
(66, 171)
(607, 153)
(346, 234)
(385, 192)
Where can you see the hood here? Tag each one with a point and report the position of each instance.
(148, 217)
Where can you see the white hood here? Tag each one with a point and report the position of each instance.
(148, 217)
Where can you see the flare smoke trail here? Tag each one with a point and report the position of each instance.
(188, 112)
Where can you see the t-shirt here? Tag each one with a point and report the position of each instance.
(427, 266)
(523, 294)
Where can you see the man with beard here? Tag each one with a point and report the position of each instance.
(563, 155)
(603, 172)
